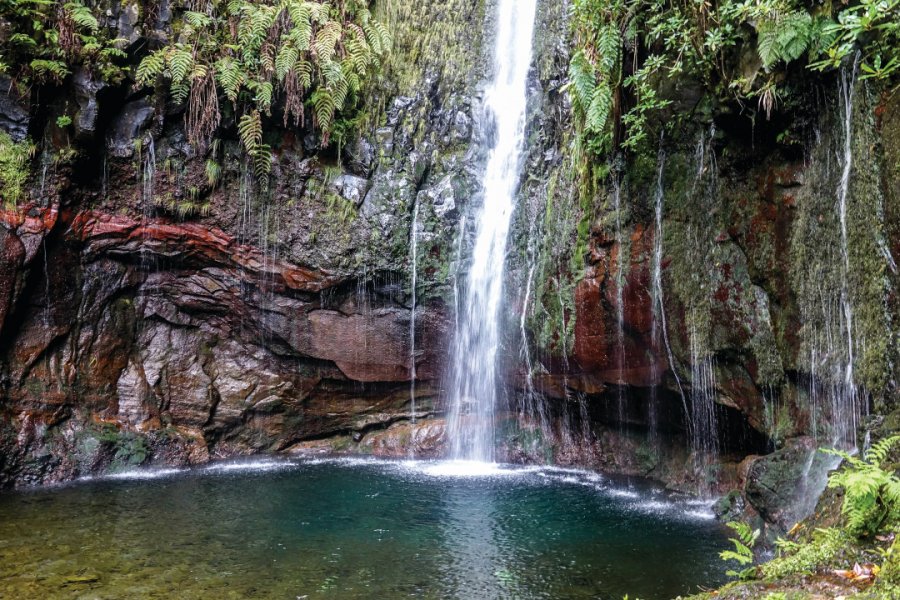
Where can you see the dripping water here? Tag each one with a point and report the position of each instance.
(414, 259)
(659, 330)
(846, 401)
(620, 309)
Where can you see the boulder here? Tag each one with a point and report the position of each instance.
(14, 117)
(784, 486)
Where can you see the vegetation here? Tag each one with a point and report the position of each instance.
(256, 55)
(47, 40)
(744, 541)
(627, 50)
(237, 61)
(871, 493)
(866, 533)
(14, 159)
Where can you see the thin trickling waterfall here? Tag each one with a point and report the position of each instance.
(148, 176)
(704, 424)
(413, 267)
(659, 329)
(474, 387)
(847, 403)
(620, 304)
(703, 428)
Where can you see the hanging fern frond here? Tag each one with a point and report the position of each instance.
(609, 48)
(326, 39)
(304, 72)
(263, 97)
(230, 76)
(250, 131)
(151, 67)
(82, 16)
(286, 61)
(324, 108)
(599, 109)
(180, 62)
(262, 161)
(582, 80)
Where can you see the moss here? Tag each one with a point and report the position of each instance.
(817, 264)
(808, 557)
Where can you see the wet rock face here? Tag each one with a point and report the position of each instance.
(150, 315)
(159, 330)
(783, 487)
(14, 114)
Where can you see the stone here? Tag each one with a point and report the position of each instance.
(350, 187)
(14, 113)
(86, 89)
(784, 486)
(128, 126)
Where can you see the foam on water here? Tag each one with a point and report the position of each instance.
(647, 501)
(250, 466)
(467, 468)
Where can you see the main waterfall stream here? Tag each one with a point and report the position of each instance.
(473, 394)
(355, 528)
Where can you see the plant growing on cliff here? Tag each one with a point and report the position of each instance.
(873, 28)
(871, 493)
(14, 159)
(263, 56)
(45, 40)
(629, 51)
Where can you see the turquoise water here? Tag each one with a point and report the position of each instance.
(355, 529)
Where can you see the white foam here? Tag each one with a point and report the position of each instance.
(467, 468)
(619, 493)
(141, 474)
(250, 465)
(703, 515)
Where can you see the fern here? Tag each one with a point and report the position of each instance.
(231, 77)
(609, 48)
(49, 69)
(180, 62)
(286, 60)
(197, 20)
(263, 56)
(871, 493)
(263, 96)
(582, 80)
(262, 161)
(82, 16)
(767, 44)
(151, 67)
(743, 548)
(250, 131)
(304, 73)
(324, 108)
(301, 33)
(599, 109)
(326, 40)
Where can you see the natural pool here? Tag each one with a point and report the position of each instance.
(355, 528)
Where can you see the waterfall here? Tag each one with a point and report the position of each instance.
(413, 267)
(474, 387)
